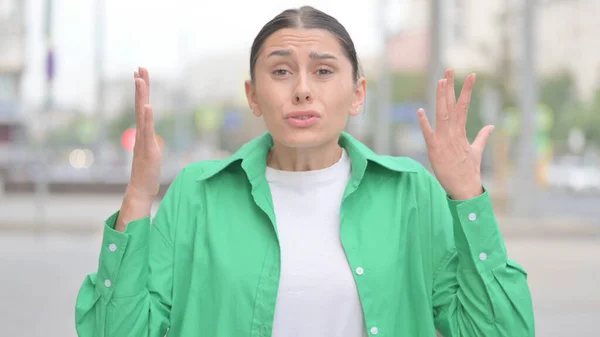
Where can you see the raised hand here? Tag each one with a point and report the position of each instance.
(145, 171)
(455, 162)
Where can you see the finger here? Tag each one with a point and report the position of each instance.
(441, 108)
(160, 141)
(482, 138)
(136, 74)
(149, 136)
(449, 75)
(464, 101)
(450, 93)
(146, 77)
(428, 132)
(140, 87)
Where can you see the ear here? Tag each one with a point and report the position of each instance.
(251, 97)
(360, 92)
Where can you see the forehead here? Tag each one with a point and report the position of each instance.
(300, 39)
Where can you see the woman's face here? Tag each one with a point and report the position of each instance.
(304, 87)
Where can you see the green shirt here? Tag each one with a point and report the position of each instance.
(208, 264)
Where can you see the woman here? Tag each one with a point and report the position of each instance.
(305, 231)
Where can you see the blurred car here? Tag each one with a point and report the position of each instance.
(574, 174)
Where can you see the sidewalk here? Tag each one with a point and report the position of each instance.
(86, 213)
(59, 213)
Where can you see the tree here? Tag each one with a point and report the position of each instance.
(592, 121)
(558, 92)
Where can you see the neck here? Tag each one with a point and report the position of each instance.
(304, 159)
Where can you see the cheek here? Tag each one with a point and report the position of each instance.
(338, 98)
(268, 96)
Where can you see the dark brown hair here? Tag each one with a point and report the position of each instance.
(309, 18)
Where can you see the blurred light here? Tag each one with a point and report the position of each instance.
(89, 158)
(208, 118)
(128, 139)
(79, 158)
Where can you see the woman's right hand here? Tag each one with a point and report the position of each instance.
(145, 170)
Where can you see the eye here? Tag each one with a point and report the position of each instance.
(280, 72)
(324, 72)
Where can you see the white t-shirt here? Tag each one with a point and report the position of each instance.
(317, 295)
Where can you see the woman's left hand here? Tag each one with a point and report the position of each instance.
(455, 163)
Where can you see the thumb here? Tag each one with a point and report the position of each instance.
(482, 138)
(160, 142)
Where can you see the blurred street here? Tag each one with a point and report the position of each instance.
(82, 212)
(41, 276)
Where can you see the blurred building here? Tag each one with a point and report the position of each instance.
(12, 64)
(479, 34)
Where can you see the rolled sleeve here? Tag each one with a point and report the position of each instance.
(477, 238)
(123, 251)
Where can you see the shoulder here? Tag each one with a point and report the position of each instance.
(414, 172)
(360, 153)
(254, 153)
(400, 164)
(201, 170)
(192, 175)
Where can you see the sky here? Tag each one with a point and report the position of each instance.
(165, 36)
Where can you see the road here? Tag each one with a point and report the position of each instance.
(42, 274)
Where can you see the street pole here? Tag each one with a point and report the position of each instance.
(525, 192)
(435, 66)
(100, 88)
(41, 172)
(381, 138)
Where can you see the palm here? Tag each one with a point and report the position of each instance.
(145, 170)
(455, 162)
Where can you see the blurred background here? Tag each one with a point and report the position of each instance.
(67, 125)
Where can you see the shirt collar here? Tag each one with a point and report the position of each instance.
(253, 158)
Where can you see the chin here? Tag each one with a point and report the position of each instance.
(302, 139)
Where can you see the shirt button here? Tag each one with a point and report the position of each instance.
(374, 330)
(107, 283)
(360, 271)
(112, 247)
(472, 216)
(483, 256)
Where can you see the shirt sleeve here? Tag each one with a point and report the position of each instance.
(123, 263)
(130, 294)
(477, 289)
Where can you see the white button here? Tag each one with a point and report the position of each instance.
(483, 256)
(359, 271)
(472, 216)
(107, 283)
(374, 330)
(112, 247)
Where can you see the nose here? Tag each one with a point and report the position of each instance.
(302, 92)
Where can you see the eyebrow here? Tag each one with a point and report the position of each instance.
(313, 55)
